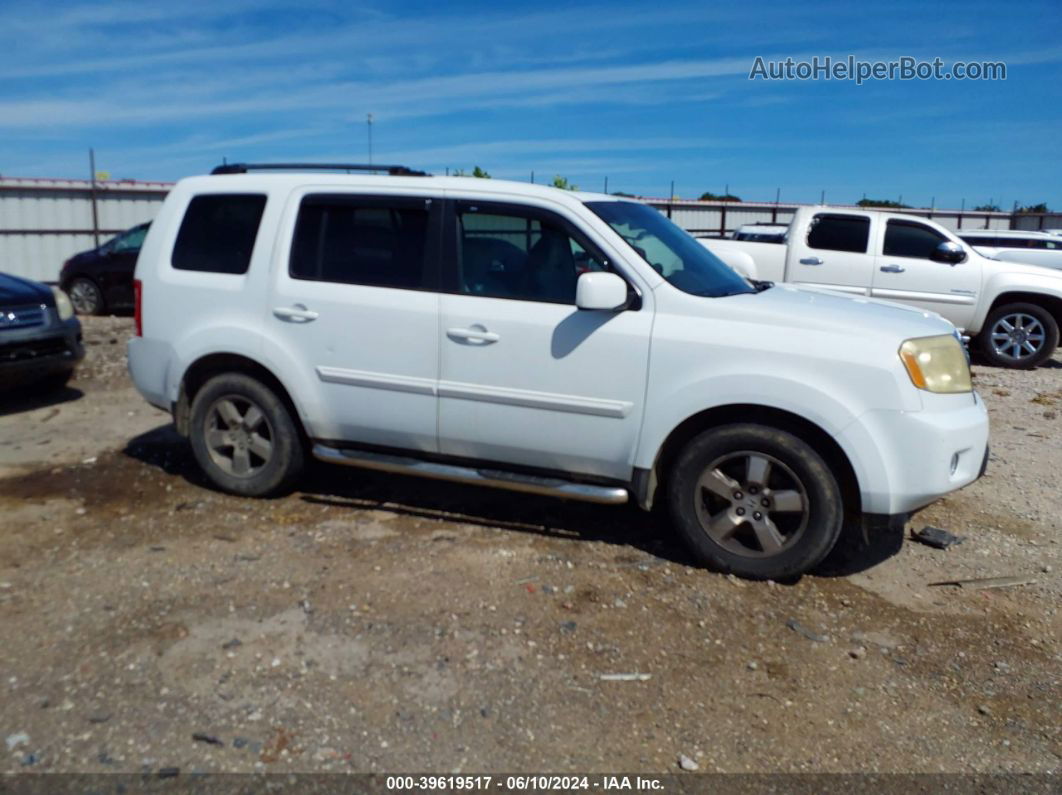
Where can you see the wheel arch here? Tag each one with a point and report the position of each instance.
(647, 487)
(1051, 303)
(206, 367)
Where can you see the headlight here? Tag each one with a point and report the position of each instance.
(937, 364)
(62, 304)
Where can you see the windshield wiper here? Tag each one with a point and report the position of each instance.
(760, 285)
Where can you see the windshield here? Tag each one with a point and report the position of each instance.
(672, 253)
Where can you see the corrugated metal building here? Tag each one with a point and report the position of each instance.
(45, 221)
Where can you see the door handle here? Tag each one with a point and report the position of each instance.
(891, 269)
(297, 313)
(811, 261)
(473, 335)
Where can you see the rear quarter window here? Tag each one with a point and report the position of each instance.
(218, 232)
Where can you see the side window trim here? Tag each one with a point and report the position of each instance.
(433, 235)
(450, 258)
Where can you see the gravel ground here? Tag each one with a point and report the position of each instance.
(380, 623)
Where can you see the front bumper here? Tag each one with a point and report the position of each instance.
(31, 354)
(913, 458)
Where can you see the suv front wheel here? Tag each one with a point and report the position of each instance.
(755, 501)
(244, 437)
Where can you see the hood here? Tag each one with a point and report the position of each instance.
(852, 315)
(15, 291)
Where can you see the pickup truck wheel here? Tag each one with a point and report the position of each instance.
(1019, 336)
(243, 436)
(755, 501)
(86, 296)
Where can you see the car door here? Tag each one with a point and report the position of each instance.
(835, 253)
(905, 271)
(355, 312)
(525, 377)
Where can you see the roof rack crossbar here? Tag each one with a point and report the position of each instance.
(243, 168)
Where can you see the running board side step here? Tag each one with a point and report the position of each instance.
(495, 478)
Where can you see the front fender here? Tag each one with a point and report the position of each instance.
(1003, 283)
(831, 412)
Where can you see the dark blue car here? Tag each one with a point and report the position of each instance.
(40, 338)
(101, 279)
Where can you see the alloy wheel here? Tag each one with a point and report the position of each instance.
(1017, 336)
(239, 437)
(85, 296)
(752, 504)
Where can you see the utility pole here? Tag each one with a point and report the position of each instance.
(606, 184)
(95, 212)
(822, 199)
(532, 177)
(368, 124)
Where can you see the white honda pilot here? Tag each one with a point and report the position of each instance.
(538, 340)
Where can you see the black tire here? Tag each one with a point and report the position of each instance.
(86, 296)
(801, 536)
(220, 434)
(1038, 330)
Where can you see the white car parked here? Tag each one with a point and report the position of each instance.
(528, 338)
(1013, 309)
(1034, 248)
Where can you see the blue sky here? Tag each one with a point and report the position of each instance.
(639, 93)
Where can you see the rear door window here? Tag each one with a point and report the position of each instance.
(218, 232)
(372, 241)
(839, 233)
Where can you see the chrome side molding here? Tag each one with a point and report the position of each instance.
(530, 484)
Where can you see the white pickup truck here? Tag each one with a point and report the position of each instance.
(1014, 310)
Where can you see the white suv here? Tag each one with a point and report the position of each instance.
(528, 338)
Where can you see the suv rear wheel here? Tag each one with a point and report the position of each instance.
(755, 501)
(244, 437)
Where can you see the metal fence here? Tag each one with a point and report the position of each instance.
(45, 221)
(714, 218)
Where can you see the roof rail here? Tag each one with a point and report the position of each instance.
(243, 168)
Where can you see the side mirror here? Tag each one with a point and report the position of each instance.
(601, 291)
(949, 252)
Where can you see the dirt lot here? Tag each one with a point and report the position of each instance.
(374, 622)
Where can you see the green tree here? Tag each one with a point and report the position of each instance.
(624, 195)
(480, 173)
(562, 183)
(719, 197)
(882, 203)
(987, 208)
(1034, 208)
